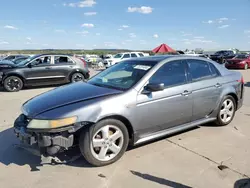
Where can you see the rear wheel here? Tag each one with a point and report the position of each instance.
(226, 111)
(104, 143)
(246, 66)
(77, 77)
(13, 84)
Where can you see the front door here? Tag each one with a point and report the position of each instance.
(39, 72)
(206, 87)
(170, 107)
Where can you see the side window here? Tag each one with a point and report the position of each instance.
(62, 59)
(126, 56)
(214, 70)
(133, 55)
(171, 74)
(45, 60)
(199, 69)
(141, 55)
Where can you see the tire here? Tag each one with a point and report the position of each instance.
(226, 111)
(13, 84)
(104, 143)
(246, 66)
(77, 77)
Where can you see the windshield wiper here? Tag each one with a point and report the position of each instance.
(106, 86)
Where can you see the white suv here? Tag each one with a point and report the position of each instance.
(121, 56)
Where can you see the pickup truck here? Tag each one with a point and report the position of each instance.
(222, 56)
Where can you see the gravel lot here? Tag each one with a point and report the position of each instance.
(189, 159)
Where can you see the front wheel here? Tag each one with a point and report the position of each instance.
(226, 111)
(246, 66)
(13, 84)
(104, 143)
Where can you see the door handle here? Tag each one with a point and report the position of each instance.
(186, 93)
(47, 67)
(217, 85)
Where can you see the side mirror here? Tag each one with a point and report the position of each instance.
(29, 65)
(153, 88)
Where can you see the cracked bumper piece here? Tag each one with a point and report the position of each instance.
(49, 143)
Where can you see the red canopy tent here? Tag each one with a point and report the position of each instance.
(163, 48)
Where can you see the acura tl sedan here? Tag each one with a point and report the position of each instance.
(135, 101)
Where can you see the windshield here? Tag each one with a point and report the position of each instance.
(118, 56)
(222, 52)
(242, 56)
(122, 76)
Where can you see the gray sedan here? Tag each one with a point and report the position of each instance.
(135, 101)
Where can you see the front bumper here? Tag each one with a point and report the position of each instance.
(49, 142)
(235, 66)
(1, 77)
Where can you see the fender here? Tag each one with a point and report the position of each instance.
(5, 75)
(227, 91)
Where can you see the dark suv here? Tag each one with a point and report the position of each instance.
(222, 56)
(45, 69)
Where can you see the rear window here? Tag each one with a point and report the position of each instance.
(62, 59)
(199, 69)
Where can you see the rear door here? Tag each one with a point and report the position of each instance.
(63, 67)
(206, 87)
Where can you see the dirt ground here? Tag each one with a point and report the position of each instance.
(208, 156)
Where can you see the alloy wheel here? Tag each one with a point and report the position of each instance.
(107, 143)
(246, 66)
(77, 77)
(227, 111)
(13, 84)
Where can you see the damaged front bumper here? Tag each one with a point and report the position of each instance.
(48, 142)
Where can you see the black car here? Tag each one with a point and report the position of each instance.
(12, 57)
(45, 69)
(222, 56)
(20, 59)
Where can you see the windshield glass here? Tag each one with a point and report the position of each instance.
(222, 52)
(122, 76)
(242, 56)
(118, 56)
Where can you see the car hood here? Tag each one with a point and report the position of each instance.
(65, 95)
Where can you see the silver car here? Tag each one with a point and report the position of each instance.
(135, 101)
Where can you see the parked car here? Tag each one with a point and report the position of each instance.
(121, 56)
(222, 56)
(20, 59)
(241, 61)
(193, 53)
(45, 69)
(134, 101)
(12, 57)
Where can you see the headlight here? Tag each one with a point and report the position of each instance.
(51, 124)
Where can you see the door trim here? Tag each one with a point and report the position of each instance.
(45, 77)
(173, 130)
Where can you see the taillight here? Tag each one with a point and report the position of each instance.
(84, 62)
(241, 80)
